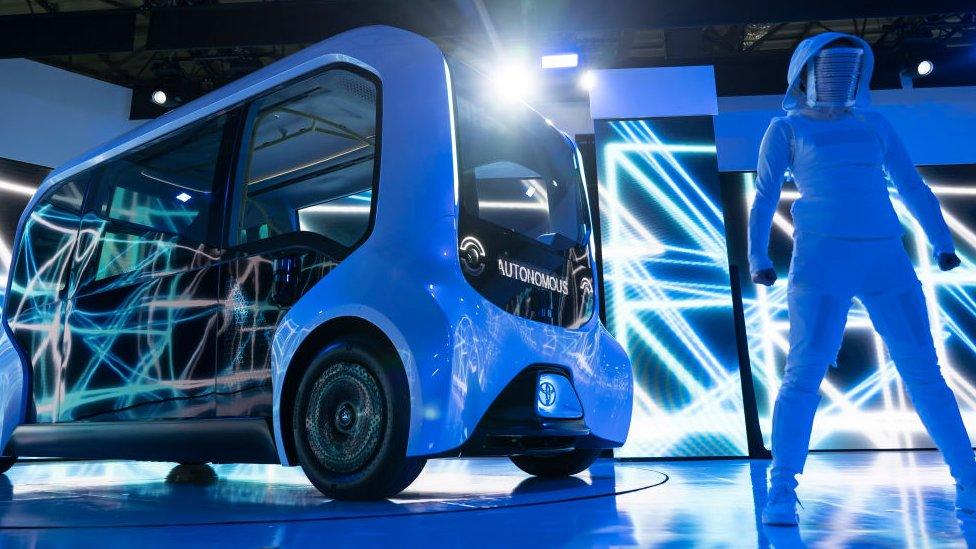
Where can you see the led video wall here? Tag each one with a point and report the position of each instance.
(666, 285)
(864, 402)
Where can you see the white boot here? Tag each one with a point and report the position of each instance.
(792, 423)
(937, 407)
(781, 507)
(781, 502)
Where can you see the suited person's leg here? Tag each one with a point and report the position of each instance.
(902, 320)
(816, 330)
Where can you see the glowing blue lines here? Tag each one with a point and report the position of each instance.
(667, 285)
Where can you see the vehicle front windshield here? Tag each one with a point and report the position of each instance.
(517, 171)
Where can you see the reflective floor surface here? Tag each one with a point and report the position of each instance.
(897, 499)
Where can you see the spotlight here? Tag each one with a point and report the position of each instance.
(588, 81)
(159, 97)
(916, 66)
(513, 82)
(560, 61)
(924, 67)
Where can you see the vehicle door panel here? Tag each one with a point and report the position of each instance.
(303, 199)
(141, 327)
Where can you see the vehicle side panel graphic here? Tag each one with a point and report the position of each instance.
(146, 331)
(34, 305)
(141, 326)
(257, 292)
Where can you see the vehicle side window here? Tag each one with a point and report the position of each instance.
(167, 185)
(47, 244)
(309, 159)
(70, 195)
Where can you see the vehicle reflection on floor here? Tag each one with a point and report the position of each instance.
(131, 494)
(886, 499)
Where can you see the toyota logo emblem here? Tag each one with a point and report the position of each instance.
(547, 393)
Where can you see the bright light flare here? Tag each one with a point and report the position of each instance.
(588, 81)
(514, 82)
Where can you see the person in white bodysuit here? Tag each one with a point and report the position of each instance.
(848, 244)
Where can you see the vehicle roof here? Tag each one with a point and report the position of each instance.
(283, 70)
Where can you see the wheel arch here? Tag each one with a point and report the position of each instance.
(315, 341)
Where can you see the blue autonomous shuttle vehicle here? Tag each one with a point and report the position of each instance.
(353, 260)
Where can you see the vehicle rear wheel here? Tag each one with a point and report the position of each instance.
(560, 465)
(350, 423)
(6, 462)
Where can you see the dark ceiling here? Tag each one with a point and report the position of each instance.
(192, 46)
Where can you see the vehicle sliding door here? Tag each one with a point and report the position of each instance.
(304, 199)
(142, 322)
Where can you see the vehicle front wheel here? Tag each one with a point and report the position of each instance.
(350, 423)
(560, 465)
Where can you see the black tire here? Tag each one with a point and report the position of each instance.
(199, 474)
(560, 465)
(350, 423)
(6, 462)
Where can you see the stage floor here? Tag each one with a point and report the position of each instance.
(888, 499)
